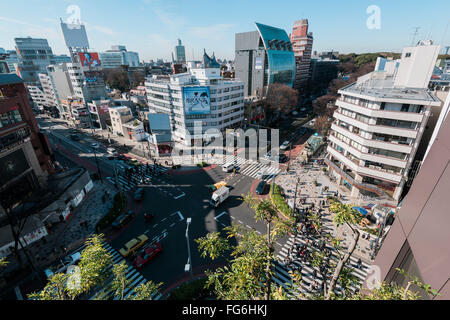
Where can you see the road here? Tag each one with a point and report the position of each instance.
(171, 201)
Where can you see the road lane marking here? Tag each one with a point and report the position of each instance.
(181, 216)
(180, 196)
(220, 215)
(171, 226)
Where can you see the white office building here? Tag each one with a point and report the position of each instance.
(119, 56)
(201, 96)
(379, 123)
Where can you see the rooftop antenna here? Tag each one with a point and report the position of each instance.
(446, 50)
(416, 32)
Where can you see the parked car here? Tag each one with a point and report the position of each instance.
(111, 152)
(63, 264)
(133, 245)
(261, 188)
(139, 194)
(147, 255)
(95, 146)
(74, 137)
(285, 145)
(123, 219)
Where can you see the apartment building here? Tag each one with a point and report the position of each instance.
(201, 95)
(379, 123)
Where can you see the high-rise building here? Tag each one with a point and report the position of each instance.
(417, 241)
(379, 124)
(49, 92)
(264, 57)
(119, 56)
(62, 58)
(62, 86)
(180, 53)
(200, 95)
(34, 56)
(24, 151)
(302, 43)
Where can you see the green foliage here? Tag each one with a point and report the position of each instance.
(345, 214)
(3, 262)
(120, 282)
(279, 201)
(55, 289)
(213, 245)
(203, 164)
(146, 291)
(94, 264)
(120, 201)
(195, 290)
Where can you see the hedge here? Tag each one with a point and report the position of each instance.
(120, 201)
(202, 164)
(194, 290)
(279, 201)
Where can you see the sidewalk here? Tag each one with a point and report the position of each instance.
(70, 234)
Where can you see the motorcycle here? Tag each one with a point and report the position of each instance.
(148, 217)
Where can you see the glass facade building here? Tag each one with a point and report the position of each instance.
(280, 62)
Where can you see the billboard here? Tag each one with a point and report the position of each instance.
(197, 100)
(89, 59)
(75, 35)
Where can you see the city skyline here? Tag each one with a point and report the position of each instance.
(158, 24)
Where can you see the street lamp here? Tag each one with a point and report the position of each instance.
(188, 266)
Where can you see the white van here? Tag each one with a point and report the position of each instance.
(228, 167)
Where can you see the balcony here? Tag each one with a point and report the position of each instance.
(376, 113)
(391, 146)
(372, 172)
(368, 156)
(401, 132)
(360, 185)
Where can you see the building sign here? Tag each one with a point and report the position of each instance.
(89, 186)
(197, 100)
(258, 63)
(89, 59)
(77, 200)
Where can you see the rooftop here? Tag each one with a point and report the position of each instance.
(388, 92)
(9, 78)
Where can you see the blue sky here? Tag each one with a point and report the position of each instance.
(151, 27)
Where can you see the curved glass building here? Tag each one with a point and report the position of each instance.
(280, 66)
(264, 57)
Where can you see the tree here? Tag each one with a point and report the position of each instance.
(94, 272)
(3, 262)
(320, 105)
(281, 99)
(117, 79)
(323, 124)
(248, 274)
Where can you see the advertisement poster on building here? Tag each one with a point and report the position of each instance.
(197, 100)
(89, 59)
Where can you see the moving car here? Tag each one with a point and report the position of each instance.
(133, 245)
(219, 196)
(63, 264)
(285, 145)
(261, 188)
(217, 186)
(74, 137)
(283, 158)
(228, 167)
(123, 219)
(95, 145)
(139, 194)
(111, 152)
(147, 255)
(134, 162)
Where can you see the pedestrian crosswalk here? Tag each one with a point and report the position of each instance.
(261, 171)
(310, 274)
(135, 179)
(133, 276)
(253, 169)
